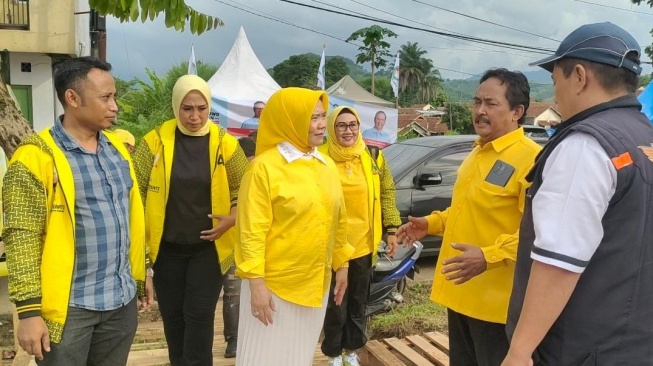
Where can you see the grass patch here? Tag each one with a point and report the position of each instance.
(417, 315)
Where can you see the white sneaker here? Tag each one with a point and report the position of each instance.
(335, 361)
(351, 359)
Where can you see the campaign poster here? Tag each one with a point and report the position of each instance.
(241, 118)
(378, 124)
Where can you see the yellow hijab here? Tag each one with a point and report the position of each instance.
(183, 86)
(287, 117)
(337, 151)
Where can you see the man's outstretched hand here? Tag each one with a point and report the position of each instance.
(415, 229)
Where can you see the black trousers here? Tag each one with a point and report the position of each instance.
(344, 325)
(474, 342)
(231, 304)
(188, 280)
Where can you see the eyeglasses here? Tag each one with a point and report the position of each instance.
(342, 127)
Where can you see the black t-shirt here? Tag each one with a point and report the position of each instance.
(189, 200)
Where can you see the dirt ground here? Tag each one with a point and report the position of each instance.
(416, 315)
(6, 339)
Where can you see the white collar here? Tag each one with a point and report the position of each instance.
(291, 153)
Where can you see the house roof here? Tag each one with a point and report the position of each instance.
(431, 124)
(537, 108)
(348, 88)
(428, 124)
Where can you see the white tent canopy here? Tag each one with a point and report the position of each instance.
(348, 88)
(242, 77)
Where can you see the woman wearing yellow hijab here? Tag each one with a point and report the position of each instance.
(370, 199)
(293, 234)
(189, 171)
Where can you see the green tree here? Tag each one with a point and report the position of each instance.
(298, 70)
(383, 87)
(375, 49)
(336, 69)
(441, 99)
(429, 87)
(459, 118)
(417, 76)
(123, 86)
(644, 80)
(407, 99)
(301, 70)
(649, 49)
(148, 104)
(177, 13)
(413, 67)
(14, 127)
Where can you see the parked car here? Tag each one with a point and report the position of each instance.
(535, 131)
(424, 171)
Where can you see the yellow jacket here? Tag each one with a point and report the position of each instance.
(488, 216)
(153, 158)
(293, 226)
(380, 198)
(39, 196)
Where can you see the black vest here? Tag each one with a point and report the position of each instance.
(609, 317)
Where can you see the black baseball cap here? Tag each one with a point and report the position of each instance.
(603, 43)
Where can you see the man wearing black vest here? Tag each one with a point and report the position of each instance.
(583, 289)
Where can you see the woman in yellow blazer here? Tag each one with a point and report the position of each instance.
(369, 192)
(189, 171)
(293, 234)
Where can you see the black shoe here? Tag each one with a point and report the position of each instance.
(232, 345)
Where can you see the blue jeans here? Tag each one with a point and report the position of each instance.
(95, 338)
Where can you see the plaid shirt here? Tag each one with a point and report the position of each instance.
(102, 278)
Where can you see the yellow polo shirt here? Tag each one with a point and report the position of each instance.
(292, 225)
(359, 223)
(488, 216)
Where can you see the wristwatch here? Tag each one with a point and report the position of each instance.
(149, 272)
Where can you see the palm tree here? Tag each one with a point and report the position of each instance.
(411, 69)
(417, 74)
(429, 87)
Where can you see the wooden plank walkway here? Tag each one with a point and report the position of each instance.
(149, 349)
(418, 350)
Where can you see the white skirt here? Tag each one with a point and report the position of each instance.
(291, 339)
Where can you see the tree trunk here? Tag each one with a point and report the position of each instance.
(13, 126)
(373, 60)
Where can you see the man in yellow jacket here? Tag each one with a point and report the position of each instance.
(74, 229)
(473, 276)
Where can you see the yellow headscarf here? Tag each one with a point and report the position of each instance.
(126, 136)
(287, 117)
(337, 151)
(183, 86)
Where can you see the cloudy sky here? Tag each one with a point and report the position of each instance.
(132, 47)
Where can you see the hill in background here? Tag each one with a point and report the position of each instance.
(461, 90)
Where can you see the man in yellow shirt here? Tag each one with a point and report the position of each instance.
(473, 276)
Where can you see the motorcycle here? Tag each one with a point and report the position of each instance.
(389, 277)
